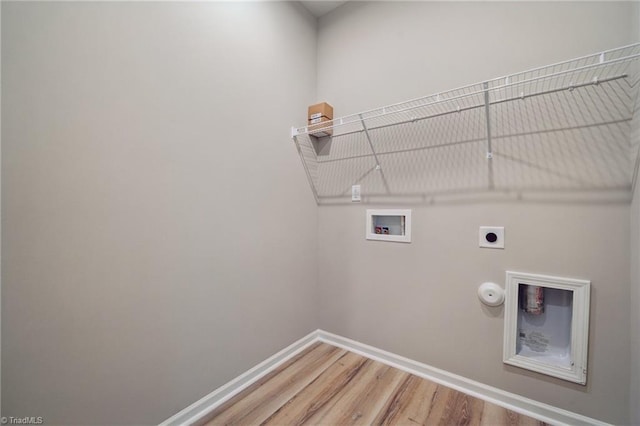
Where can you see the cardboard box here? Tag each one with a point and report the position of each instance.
(317, 120)
(322, 109)
(319, 123)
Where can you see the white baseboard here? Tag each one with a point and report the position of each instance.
(538, 410)
(205, 405)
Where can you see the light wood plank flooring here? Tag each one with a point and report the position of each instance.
(326, 385)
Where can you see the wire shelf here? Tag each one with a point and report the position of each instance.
(562, 127)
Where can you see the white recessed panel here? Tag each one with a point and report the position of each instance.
(389, 225)
(546, 325)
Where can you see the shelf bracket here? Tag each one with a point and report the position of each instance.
(366, 133)
(636, 171)
(306, 169)
(294, 132)
(487, 104)
(373, 151)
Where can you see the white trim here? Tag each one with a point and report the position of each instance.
(205, 405)
(511, 401)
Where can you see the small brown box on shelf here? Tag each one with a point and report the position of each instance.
(320, 110)
(320, 116)
(318, 127)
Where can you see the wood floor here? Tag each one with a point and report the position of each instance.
(326, 385)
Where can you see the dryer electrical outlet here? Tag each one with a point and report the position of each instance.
(492, 237)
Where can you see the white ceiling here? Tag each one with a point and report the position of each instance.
(319, 8)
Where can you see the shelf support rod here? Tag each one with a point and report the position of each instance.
(306, 169)
(366, 133)
(636, 170)
(487, 104)
(375, 156)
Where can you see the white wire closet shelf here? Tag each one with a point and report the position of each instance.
(567, 127)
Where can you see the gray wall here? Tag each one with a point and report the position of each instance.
(148, 252)
(159, 234)
(634, 394)
(419, 300)
(0, 215)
